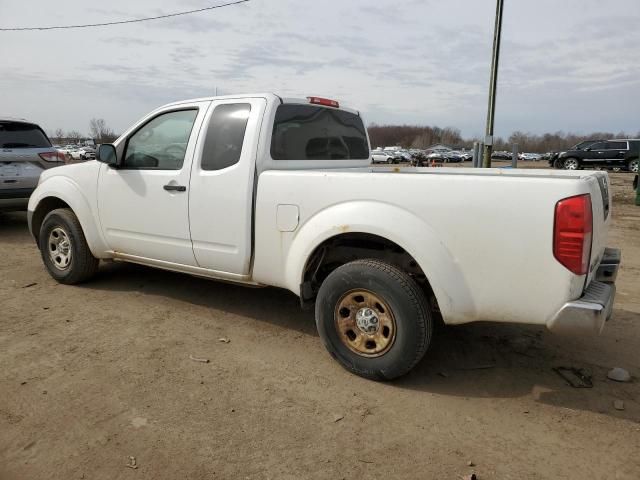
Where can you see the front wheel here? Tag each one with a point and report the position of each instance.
(64, 248)
(571, 164)
(633, 166)
(373, 319)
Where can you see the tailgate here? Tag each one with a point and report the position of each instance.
(601, 202)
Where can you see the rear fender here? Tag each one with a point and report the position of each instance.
(401, 227)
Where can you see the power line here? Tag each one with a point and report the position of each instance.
(121, 22)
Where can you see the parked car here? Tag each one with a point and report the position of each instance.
(83, 153)
(501, 155)
(453, 156)
(400, 155)
(466, 155)
(381, 157)
(279, 192)
(553, 157)
(529, 156)
(438, 156)
(25, 151)
(613, 153)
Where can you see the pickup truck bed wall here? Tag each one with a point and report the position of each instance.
(484, 239)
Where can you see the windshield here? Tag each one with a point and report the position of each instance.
(22, 135)
(306, 132)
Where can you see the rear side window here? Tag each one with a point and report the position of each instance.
(225, 134)
(306, 132)
(616, 146)
(22, 135)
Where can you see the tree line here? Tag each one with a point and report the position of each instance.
(413, 136)
(99, 132)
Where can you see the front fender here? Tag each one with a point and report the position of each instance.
(67, 190)
(400, 226)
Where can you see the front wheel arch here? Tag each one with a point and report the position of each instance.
(45, 206)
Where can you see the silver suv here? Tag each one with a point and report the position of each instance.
(25, 151)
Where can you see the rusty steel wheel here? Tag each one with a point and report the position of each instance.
(374, 319)
(365, 323)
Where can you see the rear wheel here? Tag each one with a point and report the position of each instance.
(571, 164)
(64, 248)
(373, 319)
(633, 166)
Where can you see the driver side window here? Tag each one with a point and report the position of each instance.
(161, 143)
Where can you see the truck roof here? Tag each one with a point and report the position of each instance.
(268, 96)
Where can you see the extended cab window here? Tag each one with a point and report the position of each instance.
(306, 132)
(22, 135)
(161, 143)
(225, 134)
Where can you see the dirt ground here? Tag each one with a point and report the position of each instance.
(94, 374)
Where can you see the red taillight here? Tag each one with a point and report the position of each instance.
(324, 101)
(572, 233)
(56, 156)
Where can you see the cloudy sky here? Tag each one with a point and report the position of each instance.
(570, 65)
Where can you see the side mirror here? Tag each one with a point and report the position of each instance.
(107, 154)
(588, 149)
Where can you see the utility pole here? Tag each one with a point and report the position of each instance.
(497, 32)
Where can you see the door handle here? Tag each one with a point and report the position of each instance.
(175, 188)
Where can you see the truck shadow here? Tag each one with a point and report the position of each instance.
(272, 305)
(496, 361)
(476, 361)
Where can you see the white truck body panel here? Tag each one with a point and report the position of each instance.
(474, 245)
(483, 237)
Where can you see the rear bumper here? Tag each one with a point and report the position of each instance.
(590, 312)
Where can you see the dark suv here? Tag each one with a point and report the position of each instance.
(553, 157)
(25, 151)
(615, 153)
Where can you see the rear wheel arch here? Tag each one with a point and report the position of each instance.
(344, 248)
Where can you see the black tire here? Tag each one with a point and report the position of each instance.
(409, 307)
(633, 165)
(82, 265)
(389, 161)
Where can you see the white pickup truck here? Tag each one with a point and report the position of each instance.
(267, 191)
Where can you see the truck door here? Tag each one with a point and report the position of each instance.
(143, 204)
(222, 183)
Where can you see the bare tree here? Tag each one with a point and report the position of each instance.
(59, 135)
(75, 136)
(424, 136)
(100, 132)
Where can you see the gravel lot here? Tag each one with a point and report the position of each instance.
(94, 374)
